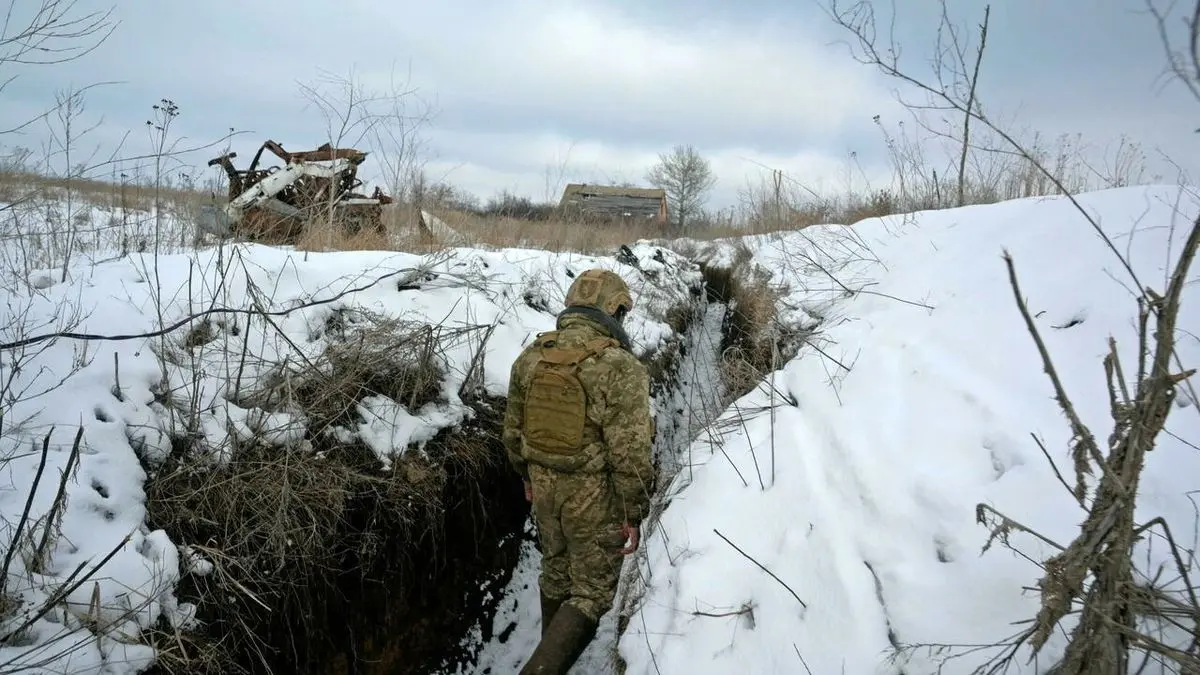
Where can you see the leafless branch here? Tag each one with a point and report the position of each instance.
(760, 566)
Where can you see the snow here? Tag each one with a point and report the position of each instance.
(919, 404)
(132, 397)
(47, 227)
(808, 527)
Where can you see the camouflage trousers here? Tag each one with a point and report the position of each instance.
(581, 538)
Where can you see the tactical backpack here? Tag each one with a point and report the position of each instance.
(555, 400)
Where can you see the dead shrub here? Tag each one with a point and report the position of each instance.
(323, 236)
(288, 534)
(752, 344)
(367, 355)
(179, 651)
(740, 370)
(875, 205)
(318, 551)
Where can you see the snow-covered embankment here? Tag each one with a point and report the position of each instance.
(341, 417)
(826, 518)
(915, 403)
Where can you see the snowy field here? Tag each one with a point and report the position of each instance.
(874, 451)
(44, 230)
(74, 618)
(853, 475)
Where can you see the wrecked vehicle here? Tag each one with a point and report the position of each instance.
(277, 204)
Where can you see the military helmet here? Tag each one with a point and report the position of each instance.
(602, 289)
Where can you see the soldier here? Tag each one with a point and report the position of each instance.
(578, 430)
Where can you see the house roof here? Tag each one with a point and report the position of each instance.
(577, 190)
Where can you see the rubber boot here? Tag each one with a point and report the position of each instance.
(549, 609)
(569, 634)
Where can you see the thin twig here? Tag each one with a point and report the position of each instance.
(761, 567)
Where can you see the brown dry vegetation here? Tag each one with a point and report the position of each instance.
(324, 559)
(778, 203)
(403, 231)
(548, 235)
(18, 185)
(751, 346)
(323, 236)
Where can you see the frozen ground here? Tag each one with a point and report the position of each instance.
(853, 478)
(130, 403)
(919, 404)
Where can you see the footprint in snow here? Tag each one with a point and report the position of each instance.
(943, 549)
(1075, 319)
(100, 488)
(108, 514)
(1003, 453)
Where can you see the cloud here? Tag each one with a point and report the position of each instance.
(540, 79)
(595, 90)
(517, 84)
(577, 67)
(539, 166)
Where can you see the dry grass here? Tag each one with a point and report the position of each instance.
(794, 209)
(752, 346)
(751, 342)
(549, 235)
(296, 534)
(281, 528)
(20, 185)
(919, 180)
(778, 204)
(562, 234)
(322, 236)
(367, 355)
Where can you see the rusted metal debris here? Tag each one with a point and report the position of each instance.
(277, 204)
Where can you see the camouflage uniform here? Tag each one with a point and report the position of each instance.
(590, 476)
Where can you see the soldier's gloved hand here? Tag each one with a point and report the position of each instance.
(528, 492)
(632, 534)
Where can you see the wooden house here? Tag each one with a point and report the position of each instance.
(606, 202)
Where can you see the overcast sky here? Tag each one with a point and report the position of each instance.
(592, 90)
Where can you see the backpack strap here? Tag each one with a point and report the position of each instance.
(596, 347)
(564, 357)
(550, 353)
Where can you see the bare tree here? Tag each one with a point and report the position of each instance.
(66, 131)
(970, 103)
(1183, 60)
(400, 117)
(354, 115)
(46, 32)
(686, 177)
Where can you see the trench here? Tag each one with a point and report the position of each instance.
(458, 595)
(688, 394)
(393, 585)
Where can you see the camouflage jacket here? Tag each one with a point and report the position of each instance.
(618, 416)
